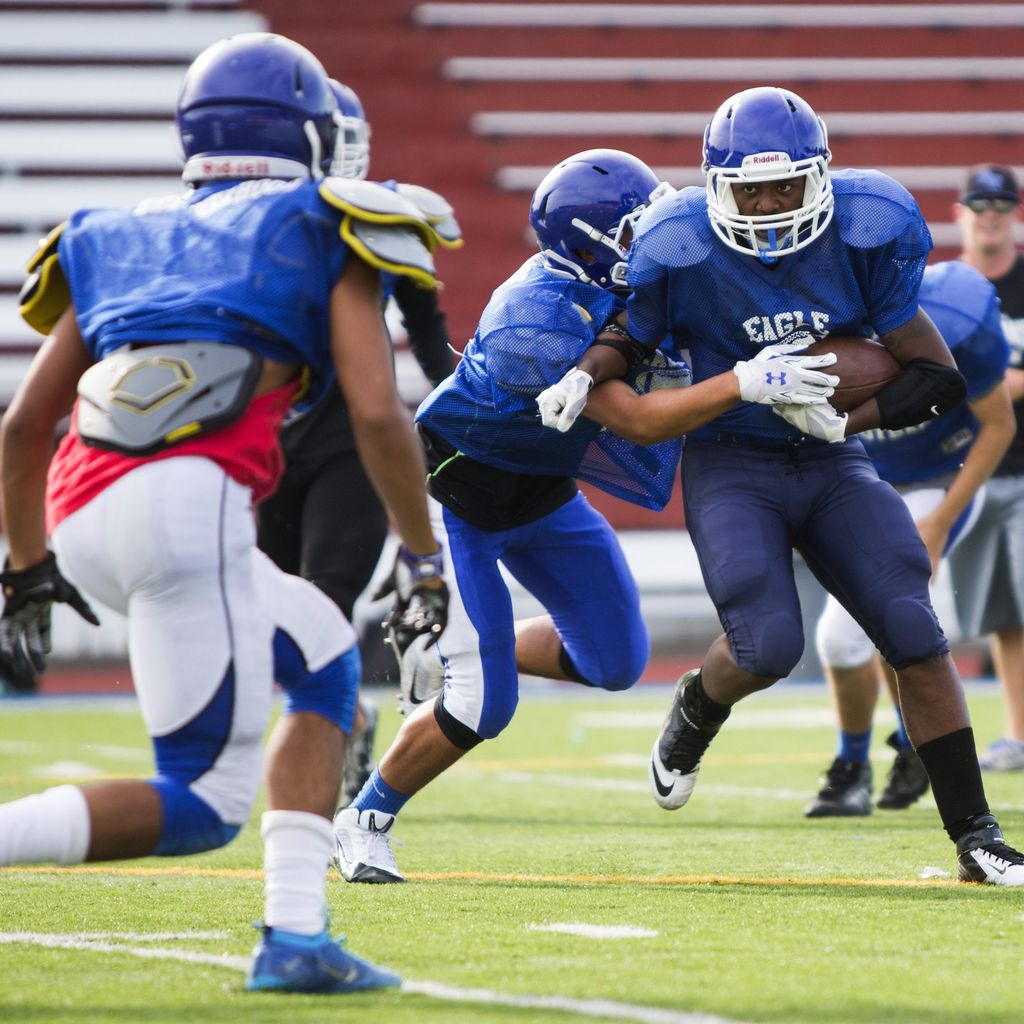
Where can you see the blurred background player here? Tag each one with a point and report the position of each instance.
(503, 490)
(987, 567)
(300, 525)
(773, 245)
(149, 498)
(940, 469)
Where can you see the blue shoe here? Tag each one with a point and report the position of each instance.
(286, 962)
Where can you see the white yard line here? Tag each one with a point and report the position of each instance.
(636, 786)
(595, 931)
(592, 1008)
(100, 945)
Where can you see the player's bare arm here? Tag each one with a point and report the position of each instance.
(387, 443)
(996, 430)
(27, 434)
(647, 419)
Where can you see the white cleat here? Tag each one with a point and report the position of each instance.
(671, 789)
(362, 846)
(983, 856)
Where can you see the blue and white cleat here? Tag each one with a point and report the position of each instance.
(286, 962)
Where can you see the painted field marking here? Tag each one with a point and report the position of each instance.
(635, 786)
(497, 876)
(99, 945)
(741, 718)
(593, 1008)
(595, 931)
(67, 770)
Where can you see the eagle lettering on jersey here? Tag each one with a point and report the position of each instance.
(768, 330)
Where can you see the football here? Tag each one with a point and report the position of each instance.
(862, 366)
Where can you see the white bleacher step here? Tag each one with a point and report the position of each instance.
(163, 5)
(781, 68)
(723, 15)
(610, 124)
(89, 146)
(120, 35)
(14, 332)
(37, 204)
(90, 91)
(15, 251)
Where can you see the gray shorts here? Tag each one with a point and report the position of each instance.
(987, 565)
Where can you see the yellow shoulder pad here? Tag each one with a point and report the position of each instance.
(45, 293)
(368, 201)
(437, 211)
(383, 228)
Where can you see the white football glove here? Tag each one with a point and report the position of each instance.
(561, 403)
(821, 421)
(777, 375)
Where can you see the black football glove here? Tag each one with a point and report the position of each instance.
(418, 609)
(25, 624)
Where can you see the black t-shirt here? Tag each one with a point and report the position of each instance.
(1010, 289)
(486, 497)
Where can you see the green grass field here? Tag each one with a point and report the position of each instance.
(734, 908)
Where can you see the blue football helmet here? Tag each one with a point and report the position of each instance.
(256, 105)
(760, 135)
(352, 150)
(583, 214)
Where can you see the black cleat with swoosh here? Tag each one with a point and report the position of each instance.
(983, 856)
(677, 752)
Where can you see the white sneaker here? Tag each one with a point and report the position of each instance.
(362, 846)
(421, 672)
(1004, 755)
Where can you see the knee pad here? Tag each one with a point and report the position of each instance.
(455, 732)
(191, 825)
(616, 668)
(840, 641)
(330, 692)
(912, 633)
(777, 645)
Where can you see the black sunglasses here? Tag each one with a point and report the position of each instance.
(980, 205)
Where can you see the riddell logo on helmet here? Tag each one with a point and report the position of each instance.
(765, 159)
(236, 168)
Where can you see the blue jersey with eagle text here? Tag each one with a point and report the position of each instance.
(720, 306)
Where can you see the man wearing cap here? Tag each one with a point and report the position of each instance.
(988, 566)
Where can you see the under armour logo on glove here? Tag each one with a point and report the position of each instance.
(778, 375)
(29, 595)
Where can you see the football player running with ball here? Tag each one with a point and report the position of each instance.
(776, 244)
(503, 490)
(186, 325)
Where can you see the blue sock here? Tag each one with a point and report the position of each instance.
(901, 731)
(854, 746)
(377, 795)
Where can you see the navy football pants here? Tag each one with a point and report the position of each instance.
(747, 509)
